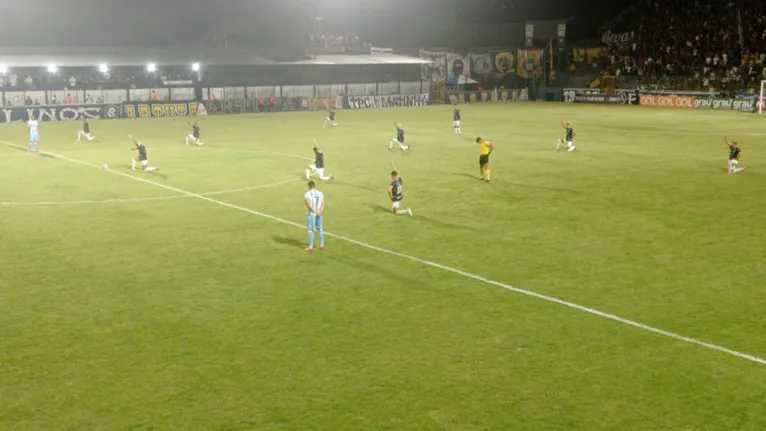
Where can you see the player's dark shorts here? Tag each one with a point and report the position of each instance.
(483, 159)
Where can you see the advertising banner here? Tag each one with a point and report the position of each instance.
(160, 109)
(391, 101)
(497, 96)
(529, 63)
(592, 95)
(504, 62)
(20, 114)
(611, 38)
(458, 65)
(437, 71)
(744, 105)
(667, 101)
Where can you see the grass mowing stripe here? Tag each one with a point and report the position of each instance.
(431, 264)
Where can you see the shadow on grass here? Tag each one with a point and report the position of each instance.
(356, 186)
(396, 277)
(467, 175)
(421, 219)
(380, 209)
(290, 242)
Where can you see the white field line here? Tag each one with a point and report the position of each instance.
(436, 265)
(157, 198)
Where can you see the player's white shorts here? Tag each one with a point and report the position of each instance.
(569, 143)
(318, 171)
(456, 123)
(144, 163)
(395, 205)
(733, 163)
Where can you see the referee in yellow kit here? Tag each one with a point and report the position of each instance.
(485, 149)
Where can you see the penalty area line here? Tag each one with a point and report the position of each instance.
(465, 274)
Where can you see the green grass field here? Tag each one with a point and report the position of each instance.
(130, 301)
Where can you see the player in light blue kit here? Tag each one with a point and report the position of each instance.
(34, 143)
(315, 204)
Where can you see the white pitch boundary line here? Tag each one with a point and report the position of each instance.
(157, 198)
(436, 265)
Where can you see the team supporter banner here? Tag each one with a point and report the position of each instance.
(592, 95)
(667, 100)
(458, 65)
(503, 62)
(437, 71)
(487, 96)
(529, 63)
(391, 101)
(19, 114)
(162, 109)
(744, 105)
(481, 64)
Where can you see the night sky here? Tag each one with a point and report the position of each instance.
(165, 22)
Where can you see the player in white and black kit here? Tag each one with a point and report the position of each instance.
(318, 166)
(194, 137)
(330, 119)
(734, 154)
(85, 131)
(456, 121)
(399, 139)
(141, 157)
(396, 194)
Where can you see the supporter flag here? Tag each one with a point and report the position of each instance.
(481, 64)
(503, 62)
(436, 71)
(201, 110)
(529, 63)
(458, 65)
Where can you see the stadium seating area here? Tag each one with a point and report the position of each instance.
(712, 45)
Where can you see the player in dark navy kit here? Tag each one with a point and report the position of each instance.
(318, 166)
(569, 137)
(396, 194)
(330, 119)
(141, 156)
(734, 153)
(85, 132)
(399, 139)
(456, 121)
(194, 137)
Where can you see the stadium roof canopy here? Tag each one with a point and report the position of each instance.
(86, 57)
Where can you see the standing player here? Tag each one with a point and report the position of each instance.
(85, 131)
(330, 119)
(34, 142)
(141, 157)
(315, 203)
(456, 121)
(399, 139)
(395, 193)
(734, 154)
(318, 166)
(569, 138)
(194, 137)
(485, 149)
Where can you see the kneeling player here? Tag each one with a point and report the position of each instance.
(318, 166)
(85, 131)
(456, 121)
(395, 193)
(399, 139)
(569, 137)
(734, 154)
(194, 137)
(141, 157)
(330, 119)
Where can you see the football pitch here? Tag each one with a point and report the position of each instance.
(616, 287)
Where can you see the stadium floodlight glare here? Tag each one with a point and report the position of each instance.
(151, 67)
(3, 69)
(195, 67)
(103, 68)
(52, 68)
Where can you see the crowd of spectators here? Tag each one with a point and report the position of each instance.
(702, 45)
